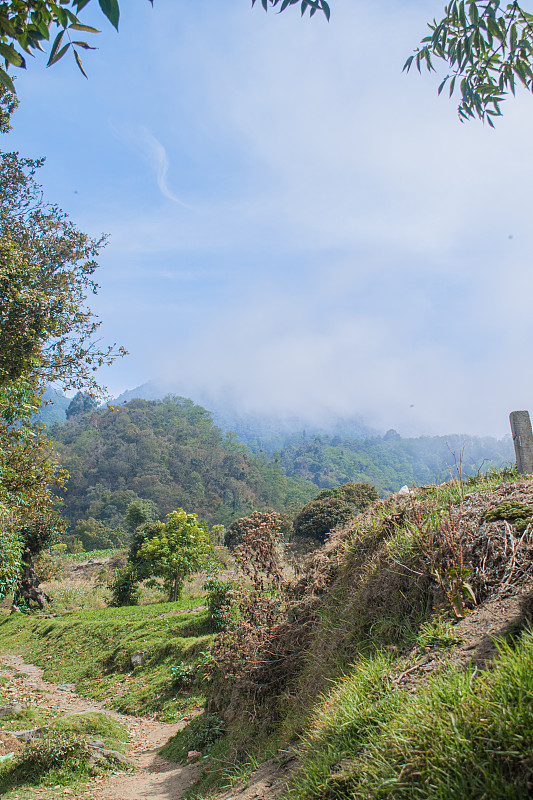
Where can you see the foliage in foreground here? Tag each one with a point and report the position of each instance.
(61, 754)
(467, 734)
(377, 583)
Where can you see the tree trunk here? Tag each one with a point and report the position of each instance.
(29, 591)
(176, 587)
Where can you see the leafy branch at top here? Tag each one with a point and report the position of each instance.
(487, 45)
(26, 24)
(488, 48)
(305, 5)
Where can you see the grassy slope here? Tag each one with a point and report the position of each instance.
(93, 650)
(359, 734)
(466, 734)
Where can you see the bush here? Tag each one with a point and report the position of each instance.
(204, 731)
(57, 750)
(182, 675)
(360, 495)
(96, 535)
(332, 507)
(124, 588)
(319, 517)
(48, 567)
(199, 672)
(218, 600)
(240, 528)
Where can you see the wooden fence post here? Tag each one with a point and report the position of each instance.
(522, 440)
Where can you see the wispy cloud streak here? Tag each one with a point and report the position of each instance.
(158, 159)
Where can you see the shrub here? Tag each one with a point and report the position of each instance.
(204, 731)
(240, 528)
(360, 495)
(218, 600)
(124, 588)
(182, 675)
(319, 517)
(199, 672)
(48, 567)
(57, 750)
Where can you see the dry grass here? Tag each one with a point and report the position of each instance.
(74, 595)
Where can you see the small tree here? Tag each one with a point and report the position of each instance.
(180, 548)
(138, 512)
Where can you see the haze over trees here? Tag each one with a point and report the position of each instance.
(155, 456)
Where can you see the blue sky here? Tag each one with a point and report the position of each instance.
(293, 223)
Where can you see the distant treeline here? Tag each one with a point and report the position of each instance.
(389, 462)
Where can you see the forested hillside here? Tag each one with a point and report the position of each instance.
(388, 462)
(171, 453)
(168, 452)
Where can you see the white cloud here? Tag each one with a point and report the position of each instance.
(158, 159)
(336, 239)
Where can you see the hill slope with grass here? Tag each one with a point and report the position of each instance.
(398, 663)
(393, 662)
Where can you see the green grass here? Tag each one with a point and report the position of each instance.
(95, 555)
(93, 650)
(61, 755)
(94, 725)
(30, 717)
(466, 735)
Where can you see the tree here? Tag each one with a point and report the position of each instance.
(489, 50)
(10, 554)
(138, 512)
(488, 47)
(46, 334)
(26, 24)
(46, 273)
(319, 517)
(29, 519)
(180, 548)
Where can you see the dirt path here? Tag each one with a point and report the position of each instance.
(154, 777)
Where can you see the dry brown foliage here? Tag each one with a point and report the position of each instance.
(383, 572)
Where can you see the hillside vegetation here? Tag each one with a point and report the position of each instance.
(168, 452)
(388, 461)
(371, 671)
(395, 661)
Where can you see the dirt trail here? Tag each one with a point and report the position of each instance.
(154, 777)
